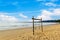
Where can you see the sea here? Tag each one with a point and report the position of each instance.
(7, 26)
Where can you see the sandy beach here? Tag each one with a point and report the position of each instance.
(51, 32)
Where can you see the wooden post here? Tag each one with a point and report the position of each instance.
(41, 25)
(33, 24)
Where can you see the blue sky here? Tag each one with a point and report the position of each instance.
(23, 10)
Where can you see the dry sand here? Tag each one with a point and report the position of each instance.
(51, 32)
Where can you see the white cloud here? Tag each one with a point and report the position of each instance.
(6, 18)
(50, 4)
(56, 11)
(22, 15)
(45, 15)
(45, 12)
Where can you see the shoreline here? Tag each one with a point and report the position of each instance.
(26, 26)
(29, 27)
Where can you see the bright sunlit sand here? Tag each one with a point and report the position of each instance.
(51, 32)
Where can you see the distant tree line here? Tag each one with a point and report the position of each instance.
(51, 21)
(58, 21)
